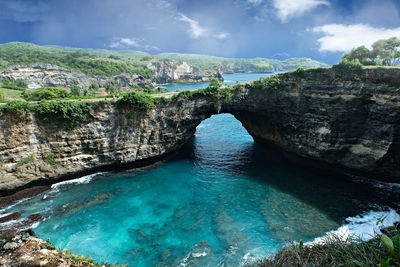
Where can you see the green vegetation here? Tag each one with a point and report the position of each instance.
(348, 67)
(381, 251)
(6, 238)
(111, 62)
(16, 107)
(45, 94)
(272, 83)
(74, 59)
(66, 114)
(75, 91)
(384, 53)
(261, 65)
(50, 160)
(13, 84)
(391, 240)
(299, 72)
(78, 260)
(25, 160)
(139, 101)
(47, 245)
(10, 94)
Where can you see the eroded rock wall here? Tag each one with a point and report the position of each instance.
(347, 121)
(108, 138)
(350, 121)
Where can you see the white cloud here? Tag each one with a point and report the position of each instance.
(255, 2)
(222, 35)
(196, 31)
(342, 38)
(288, 9)
(124, 43)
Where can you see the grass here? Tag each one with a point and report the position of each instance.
(25, 160)
(334, 252)
(11, 94)
(50, 160)
(47, 245)
(6, 238)
(80, 260)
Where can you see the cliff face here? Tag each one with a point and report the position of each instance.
(41, 75)
(110, 137)
(349, 121)
(167, 71)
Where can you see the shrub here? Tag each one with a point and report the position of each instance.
(12, 87)
(75, 91)
(46, 94)
(348, 67)
(141, 102)
(26, 160)
(272, 83)
(19, 107)
(66, 114)
(161, 90)
(21, 83)
(10, 83)
(47, 245)
(50, 160)
(299, 72)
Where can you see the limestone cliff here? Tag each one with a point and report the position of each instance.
(169, 71)
(347, 121)
(41, 75)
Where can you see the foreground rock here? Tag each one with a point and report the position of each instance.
(22, 248)
(346, 121)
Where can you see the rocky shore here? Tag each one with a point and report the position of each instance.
(23, 249)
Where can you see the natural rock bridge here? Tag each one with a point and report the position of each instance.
(347, 121)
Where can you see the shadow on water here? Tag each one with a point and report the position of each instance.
(336, 194)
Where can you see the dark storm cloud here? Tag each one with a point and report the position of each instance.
(236, 28)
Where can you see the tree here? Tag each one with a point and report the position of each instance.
(215, 84)
(213, 87)
(93, 88)
(360, 54)
(21, 83)
(75, 90)
(386, 51)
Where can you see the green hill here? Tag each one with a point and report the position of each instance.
(114, 62)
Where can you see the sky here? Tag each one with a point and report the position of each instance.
(320, 29)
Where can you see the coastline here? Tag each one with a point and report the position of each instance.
(30, 190)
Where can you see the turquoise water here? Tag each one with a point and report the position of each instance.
(228, 79)
(222, 200)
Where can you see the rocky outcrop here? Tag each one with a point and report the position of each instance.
(41, 75)
(346, 121)
(169, 71)
(22, 248)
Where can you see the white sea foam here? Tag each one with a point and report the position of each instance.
(83, 180)
(363, 226)
(14, 204)
(11, 224)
